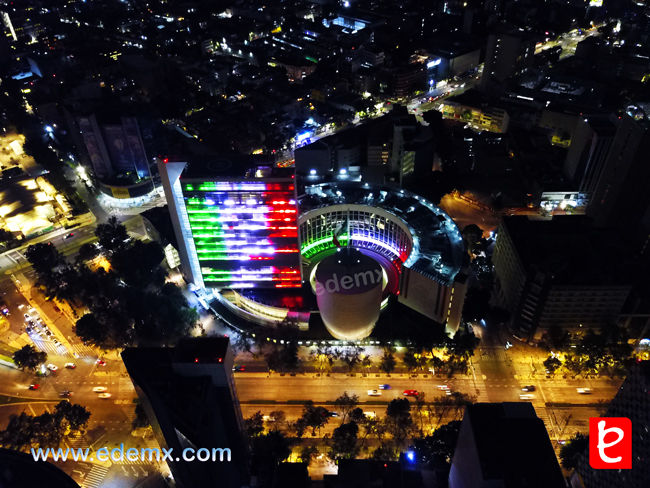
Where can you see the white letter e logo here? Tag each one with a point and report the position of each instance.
(602, 432)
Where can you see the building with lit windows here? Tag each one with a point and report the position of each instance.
(244, 233)
(235, 221)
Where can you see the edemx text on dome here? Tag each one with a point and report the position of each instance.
(347, 282)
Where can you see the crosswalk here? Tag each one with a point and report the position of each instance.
(49, 347)
(492, 354)
(95, 477)
(83, 351)
(126, 389)
(77, 441)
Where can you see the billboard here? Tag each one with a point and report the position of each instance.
(135, 145)
(118, 149)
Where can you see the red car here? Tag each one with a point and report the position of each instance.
(410, 393)
(101, 363)
(33, 387)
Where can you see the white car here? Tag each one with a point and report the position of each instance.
(584, 391)
(104, 395)
(70, 365)
(99, 389)
(443, 387)
(525, 397)
(52, 367)
(374, 392)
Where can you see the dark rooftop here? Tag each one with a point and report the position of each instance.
(205, 350)
(571, 249)
(513, 445)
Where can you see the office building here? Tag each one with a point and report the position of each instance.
(561, 272)
(235, 219)
(621, 198)
(507, 55)
(504, 445)
(631, 401)
(588, 152)
(188, 393)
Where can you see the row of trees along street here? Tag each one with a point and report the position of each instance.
(604, 352)
(130, 303)
(417, 424)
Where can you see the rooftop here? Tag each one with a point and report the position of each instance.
(438, 247)
(210, 167)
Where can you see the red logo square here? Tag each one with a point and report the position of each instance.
(610, 443)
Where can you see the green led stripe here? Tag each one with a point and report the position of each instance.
(320, 245)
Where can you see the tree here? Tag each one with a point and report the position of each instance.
(557, 339)
(112, 235)
(29, 357)
(442, 443)
(400, 423)
(473, 237)
(254, 425)
(571, 452)
(19, 433)
(552, 364)
(76, 416)
(387, 363)
(308, 453)
(477, 304)
(351, 357)
(87, 252)
(344, 442)
(274, 446)
(366, 362)
(413, 361)
(44, 257)
(345, 404)
(7, 239)
(314, 417)
(138, 265)
(141, 420)
(106, 327)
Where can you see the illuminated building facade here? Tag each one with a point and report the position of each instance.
(236, 222)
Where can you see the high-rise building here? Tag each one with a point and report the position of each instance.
(235, 219)
(631, 401)
(588, 152)
(621, 198)
(506, 445)
(188, 393)
(508, 54)
(564, 272)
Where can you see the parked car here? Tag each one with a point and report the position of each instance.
(374, 392)
(99, 389)
(410, 393)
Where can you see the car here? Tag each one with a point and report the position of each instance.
(71, 234)
(70, 365)
(448, 392)
(26, 316)
(528, 388)
(267, 418)
(370, 415)
(410, 393)
(65, 394)
(101, 363)
(525, 397)
(332, 414)
(105, 395)
(31, 322)
(56, 309)
(384, 387)
(443, 387)
(99, 389)
(53, 340)
(33, 387)
(52, 367)
(238, 368)
(584, 391)
(374, 392)
(47, 332)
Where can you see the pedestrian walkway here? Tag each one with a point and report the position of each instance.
(47, 346)
(77, 441)
(492, 354)
(83, 351)
(95, 477)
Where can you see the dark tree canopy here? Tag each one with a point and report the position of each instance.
(112, 235)
(441, 443)
(29, 357)
(254, 425)
(571, 452)
(344, 443)
(141, 420)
